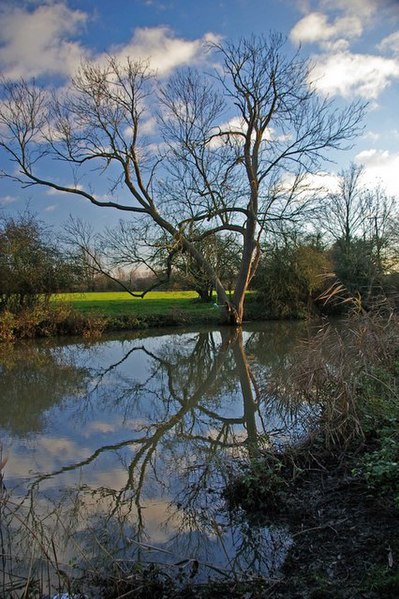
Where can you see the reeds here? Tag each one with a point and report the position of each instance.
(348, 370)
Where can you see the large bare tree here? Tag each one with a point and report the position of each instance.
(231, 151)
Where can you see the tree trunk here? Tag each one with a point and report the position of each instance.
(249, 393)
(205, 294)
(233, 314)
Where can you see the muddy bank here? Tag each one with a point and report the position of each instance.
(345, 533)
(345, 542)
(346, 539)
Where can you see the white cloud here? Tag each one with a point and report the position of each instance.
(311, 184)
(354, 74)
(334, 26)
(38, 42)
(149, 126)
(363, 9)
(7, 200)
(390, 43)
(164, 51)
(381, 166)
(373, 135)
(237, 125)
(316, 28)
(321, 181)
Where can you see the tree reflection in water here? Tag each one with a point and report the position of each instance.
(197, 408)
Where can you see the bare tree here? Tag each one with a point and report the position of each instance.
(346, 210)
(360, 220)
(120, 255)
(234, 151)
(167, 261)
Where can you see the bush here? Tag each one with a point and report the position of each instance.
(31, 267)
(290, 277)
(349, 371)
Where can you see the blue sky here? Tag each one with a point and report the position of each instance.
(354, 45)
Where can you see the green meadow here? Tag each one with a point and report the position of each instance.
(93, 313)
(154, 304)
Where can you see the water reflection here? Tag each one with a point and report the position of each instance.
(132, 443)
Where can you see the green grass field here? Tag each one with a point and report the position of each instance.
(113, 304)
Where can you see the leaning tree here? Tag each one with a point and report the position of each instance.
(229, 153)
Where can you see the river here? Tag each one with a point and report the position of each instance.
(118, 451)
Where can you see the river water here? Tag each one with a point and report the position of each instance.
(118, 450)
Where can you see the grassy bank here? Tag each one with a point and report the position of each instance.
(91, 314)
(115, 303)
(155, 308)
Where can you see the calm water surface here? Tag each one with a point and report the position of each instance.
(122, 448)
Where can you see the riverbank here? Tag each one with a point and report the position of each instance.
(345, 533)
(92, 314)
(345, 530)
(345, 539)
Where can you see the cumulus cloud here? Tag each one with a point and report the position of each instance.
(347, 19)
(164, 51)
(316, 28)
(381, 167)
(42, 41)
(390, 43)
(364, 9)
(338, 71)
(39, 42)
(354, 74)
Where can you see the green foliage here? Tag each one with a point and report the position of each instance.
(357, 267)
(381, 467)
(31, 267)
(290, 276)
(260, 488)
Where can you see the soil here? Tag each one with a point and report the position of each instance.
(346, 538)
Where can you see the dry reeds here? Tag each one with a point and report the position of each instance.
(346, 369)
